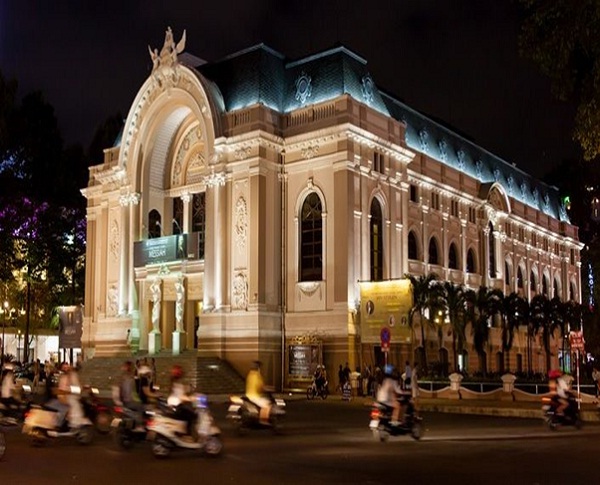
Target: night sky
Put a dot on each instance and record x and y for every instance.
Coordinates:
(456, 60)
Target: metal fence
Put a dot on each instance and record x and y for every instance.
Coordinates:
(529, 387)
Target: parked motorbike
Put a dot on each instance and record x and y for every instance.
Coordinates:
(317, 391)
(41, 424)
(98, 412)
(381, 421)
(126, 430)
(570, 417)
(244, 414)
(168, 433)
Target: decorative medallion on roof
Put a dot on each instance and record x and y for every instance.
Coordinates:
(562, 211)
(424, 139)
(303, 87)
(524, 191)
(460, 156)
(536, 195)
(165, 65)
(443, 144)
(367, 88)
(479, 169)
(497, 174)
(511, 184)
(546, 202)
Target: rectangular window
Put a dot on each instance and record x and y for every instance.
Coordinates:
(557, 249)
(472, 215)
(378, 162)
(521, 234)
(414, 194)
(507, 229)
(533, 239)
(435, 201)
(545, 244)
(572, 256)
(454, 208)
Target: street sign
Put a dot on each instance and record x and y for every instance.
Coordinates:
(386, 336)
(576, 340)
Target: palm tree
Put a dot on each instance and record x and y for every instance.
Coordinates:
(425, 302)
(540, 315)
(558, 319)
(512, 315)
(455, 301)
(487, 303)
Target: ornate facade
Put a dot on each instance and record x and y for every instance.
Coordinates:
(246, 198)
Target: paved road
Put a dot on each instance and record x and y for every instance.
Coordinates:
(329, 442)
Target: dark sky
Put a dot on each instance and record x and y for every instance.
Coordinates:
(456, 60)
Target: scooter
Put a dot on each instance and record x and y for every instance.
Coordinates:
(570, 417)
(14, 414)
(381, 421)
(167, 433)
(125, 427)
(41, 424)
(99, 413)
(244, 414)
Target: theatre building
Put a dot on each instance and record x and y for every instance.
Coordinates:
(250, 202)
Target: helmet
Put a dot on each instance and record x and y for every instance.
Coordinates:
(554, 374)
(388, 370)
(144, 370)
(176, 371)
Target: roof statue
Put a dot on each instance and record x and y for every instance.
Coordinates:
(164, 64)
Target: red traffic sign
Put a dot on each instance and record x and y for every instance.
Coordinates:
(576, 340)
(386, 336)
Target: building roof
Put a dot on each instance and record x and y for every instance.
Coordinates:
(261, 75)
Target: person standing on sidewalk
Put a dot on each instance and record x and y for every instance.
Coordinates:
(596, 378)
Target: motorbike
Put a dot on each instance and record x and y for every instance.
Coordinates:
(244, 414)
(99, 413)
(167, 432)
(570, 417)
(381, 421)
(317, 391)
(41, 423)
(13, 414)
(126, 430)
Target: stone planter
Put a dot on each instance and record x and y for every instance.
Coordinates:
(455, 380)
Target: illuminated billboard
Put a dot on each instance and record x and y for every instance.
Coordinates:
(385, 304)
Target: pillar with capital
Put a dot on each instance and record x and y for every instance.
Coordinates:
(155, 336)
(179, 335)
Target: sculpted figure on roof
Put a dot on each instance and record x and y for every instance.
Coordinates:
(164, 64)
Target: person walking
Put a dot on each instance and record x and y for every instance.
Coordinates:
(596, 378)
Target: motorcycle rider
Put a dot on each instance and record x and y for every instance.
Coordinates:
(179, 398)
(61, 402)
(319, 377)
(144, 385)
(255, 389)
(563, 391)
(388, 393)
(127, 394)
(8, 387)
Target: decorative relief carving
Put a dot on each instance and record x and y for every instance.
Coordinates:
(115, 242)
(443, 145)
(524, 191)
(368, 87)
(546, 202)
(479, 169)
(460, 156)
(243, 152)
(310, 151)
(496, 199)
(215, 179)
(424, 140)
(165, 65)
(241, 223)
(511, 184)
(240, 292)
(536, 195)
(309, 288)
(192, 141)
(112, 303)
(497, 174)
(303, 87)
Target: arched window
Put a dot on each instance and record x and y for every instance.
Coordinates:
(311, 239)
(154, 224)
(572, 292)
(506, 273)
(413, 248)
(532, 282)
(519, 278)
(545, 287)
(492, 251)
(471, 261)
(433, 252)
(177, 222)
(376, 226)
(452, 257)
(555, 289)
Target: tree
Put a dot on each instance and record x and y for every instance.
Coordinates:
(563, 38)
(487, 304)
(512, 313)
(425, 303)
(545, 323)
(455, 301)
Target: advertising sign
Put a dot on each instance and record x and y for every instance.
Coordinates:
(576, 340)
(303, 360)
(70, 327)
(385, 304)
(160, 250)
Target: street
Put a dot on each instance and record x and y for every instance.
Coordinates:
(327, 442)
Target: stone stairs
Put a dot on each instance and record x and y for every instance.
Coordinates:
(209, 375)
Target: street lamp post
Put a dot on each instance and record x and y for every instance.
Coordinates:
(19, 345)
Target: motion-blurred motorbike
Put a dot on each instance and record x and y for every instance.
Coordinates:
(99, 413)
(381, 421)
(14, 413)
(126, 428)
(314, 390)
(244, 414)
(570, 417)
(41, 424)
(168, 433)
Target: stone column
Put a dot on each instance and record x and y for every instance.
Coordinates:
(187, 220)
(155, 336)
(134, 235)
(124, 256)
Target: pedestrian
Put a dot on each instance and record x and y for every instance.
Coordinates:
(596, 377)
(407, 377)
(36, 373)
(347, 373)
(341, 379)
(414, 382)
(366, 380)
